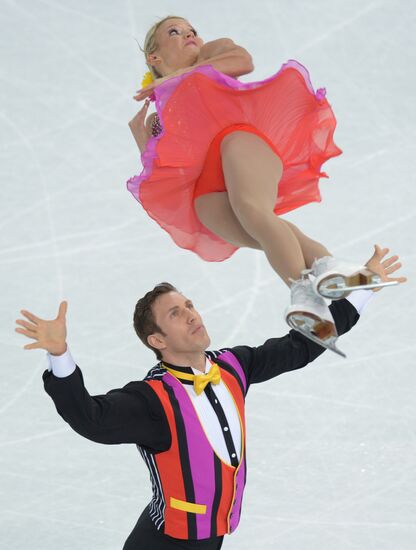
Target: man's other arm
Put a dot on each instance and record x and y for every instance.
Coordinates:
(132, 414)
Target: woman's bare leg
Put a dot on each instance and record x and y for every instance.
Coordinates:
(215, 212)
(252, 172)
(310, 249)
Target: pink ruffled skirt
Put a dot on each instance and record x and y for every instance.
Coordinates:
(196, 110)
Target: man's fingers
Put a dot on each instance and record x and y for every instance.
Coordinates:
(30, 316)
(63, 308)
(27, 333)
(399, 279)
(28, 326)
(393, 268)
(32, 346)
(380, 251)
(390, 261)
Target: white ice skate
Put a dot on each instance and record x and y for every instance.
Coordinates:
(309, 315)
(335, 279)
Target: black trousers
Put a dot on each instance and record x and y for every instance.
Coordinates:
(145, 536)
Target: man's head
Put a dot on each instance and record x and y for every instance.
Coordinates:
(167, 322)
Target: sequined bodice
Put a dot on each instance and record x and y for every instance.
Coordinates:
(156, 126)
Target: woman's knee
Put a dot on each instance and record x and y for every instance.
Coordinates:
(215, 213)
(253, 204)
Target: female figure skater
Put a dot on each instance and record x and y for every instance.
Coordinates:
(221, 159)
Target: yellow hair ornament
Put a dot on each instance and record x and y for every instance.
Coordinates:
(147, 79)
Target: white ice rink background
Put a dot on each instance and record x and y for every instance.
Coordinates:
(332, 447)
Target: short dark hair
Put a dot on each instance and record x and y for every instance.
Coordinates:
(144, 321)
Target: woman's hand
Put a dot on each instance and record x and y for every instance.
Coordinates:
(146, 92)
(138, 128)
(49, 335)
(384, 268)
(223, 54)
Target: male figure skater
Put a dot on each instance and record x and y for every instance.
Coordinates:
(187, 416)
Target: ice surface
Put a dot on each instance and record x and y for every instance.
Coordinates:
(331, 449)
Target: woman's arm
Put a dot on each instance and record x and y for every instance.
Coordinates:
(141, 129)
(226, 57)
(222, 54)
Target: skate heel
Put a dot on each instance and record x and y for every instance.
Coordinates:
(321, 331)
(336, 285)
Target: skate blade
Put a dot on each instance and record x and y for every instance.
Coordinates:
(304, 324)
(338, 286)
(349, 289)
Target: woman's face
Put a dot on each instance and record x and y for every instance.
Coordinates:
(178, 46)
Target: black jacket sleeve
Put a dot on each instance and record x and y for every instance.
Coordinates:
(132, 414)
(290, 352)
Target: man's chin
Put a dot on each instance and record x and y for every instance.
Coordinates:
(203, 342)
(205, 337)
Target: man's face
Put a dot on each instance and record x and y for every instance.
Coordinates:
(180, 322)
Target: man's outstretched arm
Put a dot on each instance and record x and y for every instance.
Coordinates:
(132, 414)
(294, 351)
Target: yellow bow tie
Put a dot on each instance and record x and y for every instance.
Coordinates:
(200, 380)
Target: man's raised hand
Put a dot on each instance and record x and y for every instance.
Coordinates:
(48, 335)
(384, 267)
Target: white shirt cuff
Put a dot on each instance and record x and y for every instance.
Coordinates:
(61, 365)
(360, 298)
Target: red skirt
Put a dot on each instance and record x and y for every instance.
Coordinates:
(211, 179)
(196, 111)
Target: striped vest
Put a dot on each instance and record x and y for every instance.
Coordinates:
(195, 494)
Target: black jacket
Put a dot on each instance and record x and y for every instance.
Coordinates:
(134, 414)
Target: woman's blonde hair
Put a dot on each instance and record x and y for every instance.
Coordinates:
(150, 44)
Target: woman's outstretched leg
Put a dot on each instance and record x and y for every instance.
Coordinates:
(215, 212)
(310, 249)
(252, 172)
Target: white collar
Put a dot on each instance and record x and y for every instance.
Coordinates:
(207, 367)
